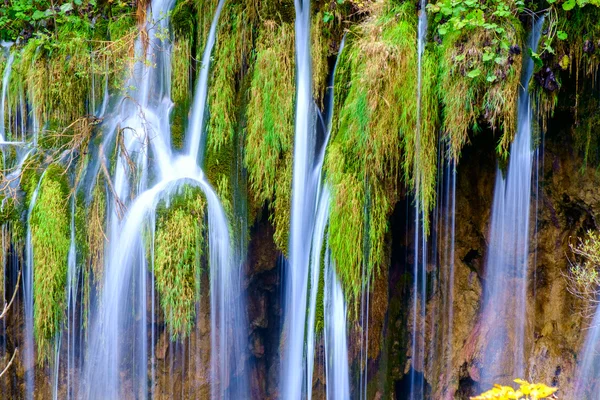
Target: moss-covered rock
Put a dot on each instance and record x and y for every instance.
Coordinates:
(177, 255)
(270, 129)
(50, 238)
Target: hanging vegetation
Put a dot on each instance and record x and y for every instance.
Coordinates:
(50, 237)
(178, 248)
(270, 124)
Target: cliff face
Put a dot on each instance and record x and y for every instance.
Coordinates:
(565, 208)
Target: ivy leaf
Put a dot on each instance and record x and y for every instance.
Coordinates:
(536, 58)
(78, 2)
(37, 15)
(562, 35)
(487, 56)
(327, 16)
(442, 29)
(474, 73)
(569, 5)
(66, 7)
(491, 78)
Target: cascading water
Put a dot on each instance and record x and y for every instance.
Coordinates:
(448, 208)
(336, 347)
(507, 266)
(419, 297)
(304, 187)
(309, 214)
(587, 385)
(5, 83)
(125, 272)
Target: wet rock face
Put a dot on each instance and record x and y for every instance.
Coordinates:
(568, 204)
(263, 282)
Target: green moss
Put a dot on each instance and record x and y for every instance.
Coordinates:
(225, 100)
(181, 89)
(490, 96)
(371, 136)
(177, 254)
(270, 130)
(95, 231)
(50, 236)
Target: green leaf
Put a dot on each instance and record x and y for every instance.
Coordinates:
(66, 7)
(491, 78)
(487, 56)
(37, 15)
(442, 29)
(474, 73)
(536, 58)
(569, 5)
(562, 35)
(459, 57)
(327, 16)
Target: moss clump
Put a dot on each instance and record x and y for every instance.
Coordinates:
(96, 238)
(479, 80)
(177, 254)
(225, 100)
(50, 237)
(181, 88)
(374, 121)
(270, 129)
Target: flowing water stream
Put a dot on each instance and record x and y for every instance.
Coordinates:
(507, 262)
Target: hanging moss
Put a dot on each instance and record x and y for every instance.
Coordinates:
(374, 121)
(181, 89)
(50, 237)
(479, 79)
(270, 129)
(96, 236)
(225, 99)
(177, 253)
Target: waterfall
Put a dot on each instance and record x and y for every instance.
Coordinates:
(586, 379)
(142, 114)
(5, 83)
(302, 214)
(309, 214)
(419, 289)
(449, 228)
(507, 266)
(194, 141)
(336, 347)
(125, 271)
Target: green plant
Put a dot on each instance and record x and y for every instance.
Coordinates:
(177, 255)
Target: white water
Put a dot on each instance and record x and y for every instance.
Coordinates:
(5, 83)
(125, 281)
(420, 241)
(304, 187)
(507, 263)
(588, 371)
(336, 346)
(194, 140)
(449, 228)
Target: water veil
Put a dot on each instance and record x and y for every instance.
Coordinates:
(120, 341)
(507, 262)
